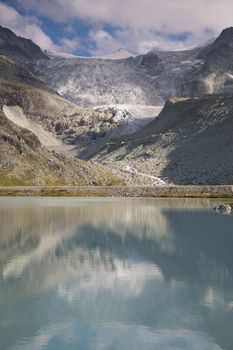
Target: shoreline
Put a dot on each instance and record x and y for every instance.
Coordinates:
(179, 191)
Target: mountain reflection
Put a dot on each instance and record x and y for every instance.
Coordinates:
(163, 264)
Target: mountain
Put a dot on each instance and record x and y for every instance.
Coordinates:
(148, 79)
(189, 143)
(126, 78)
(41, 105)
(145, 79)
(23, 161)
(33, 117)
(70, 123)
(19, 49)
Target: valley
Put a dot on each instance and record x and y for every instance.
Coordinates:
(163, 118)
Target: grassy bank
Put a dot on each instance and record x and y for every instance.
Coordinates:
(120, 191)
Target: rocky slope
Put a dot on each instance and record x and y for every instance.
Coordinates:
(24, 162)
(16, 115)
(21, 50)
(68, 122)
(189, 143)
(10, 70)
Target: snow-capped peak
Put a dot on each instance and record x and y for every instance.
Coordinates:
(120, 54)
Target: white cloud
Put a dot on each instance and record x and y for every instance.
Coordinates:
(140, 41)
(171, 16)
(29, 27)
(101, 42)
(141, 24)
(69, 45)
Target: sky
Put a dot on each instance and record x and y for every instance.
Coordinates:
(100, 27)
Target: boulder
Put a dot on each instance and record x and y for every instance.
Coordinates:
(223, 209)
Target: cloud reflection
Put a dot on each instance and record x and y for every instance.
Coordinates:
(117, 336)
(126, 279)
(151, 269)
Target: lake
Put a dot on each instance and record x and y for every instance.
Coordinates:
(118, 274)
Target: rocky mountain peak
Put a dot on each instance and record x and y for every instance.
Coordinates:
(223, 42)
(226, 35)
(19, 49)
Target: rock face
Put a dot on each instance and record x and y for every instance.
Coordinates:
(223, 209)
(189, 143)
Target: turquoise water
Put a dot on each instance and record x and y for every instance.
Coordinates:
(115, 274)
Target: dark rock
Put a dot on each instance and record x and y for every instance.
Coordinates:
(223, 209)
(19, 49)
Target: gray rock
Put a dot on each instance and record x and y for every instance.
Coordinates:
(223, 209)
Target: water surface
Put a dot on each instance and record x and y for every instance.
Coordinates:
(115, 274)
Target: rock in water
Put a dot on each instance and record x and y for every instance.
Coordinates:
(223, 209)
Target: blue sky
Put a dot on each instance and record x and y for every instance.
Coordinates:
(87, 27)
